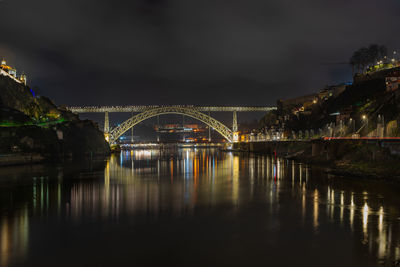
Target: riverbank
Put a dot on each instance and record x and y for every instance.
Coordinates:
(32, 144)
(356, 158)
(20, 159)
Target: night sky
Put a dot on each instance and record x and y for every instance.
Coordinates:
(248, 52)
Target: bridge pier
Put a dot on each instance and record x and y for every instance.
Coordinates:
(235, 133)
(132, 130)
(234, 124)
(209, 129)
(106, 126)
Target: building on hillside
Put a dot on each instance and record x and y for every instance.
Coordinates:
(344, 114)
(392, 83)
(304, 104)
(332, 91)
(23, 78)
(391, 72)
(392, 80)
(11, 72)
(289, 105)
(8, 69)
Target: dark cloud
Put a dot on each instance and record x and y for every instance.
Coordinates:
(189, 52)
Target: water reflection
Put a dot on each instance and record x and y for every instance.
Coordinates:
(14, 233)
(316, 207)
(352, 208)
(179, 183)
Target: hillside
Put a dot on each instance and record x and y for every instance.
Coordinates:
(34, 124)
(358, 109)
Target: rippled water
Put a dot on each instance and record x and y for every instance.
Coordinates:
(194, 208)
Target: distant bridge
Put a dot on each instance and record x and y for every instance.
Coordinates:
(146, 112)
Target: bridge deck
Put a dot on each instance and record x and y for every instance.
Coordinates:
(141, 108)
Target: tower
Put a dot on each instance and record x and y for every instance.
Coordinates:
(23, 78)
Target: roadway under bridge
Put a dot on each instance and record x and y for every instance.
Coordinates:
(144, 112)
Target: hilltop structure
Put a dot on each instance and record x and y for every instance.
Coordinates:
(9, 71)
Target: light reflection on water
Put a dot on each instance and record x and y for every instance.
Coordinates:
(179, 183)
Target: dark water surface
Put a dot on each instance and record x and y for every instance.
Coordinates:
(194, 208)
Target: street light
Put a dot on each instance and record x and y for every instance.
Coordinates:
(365, 118)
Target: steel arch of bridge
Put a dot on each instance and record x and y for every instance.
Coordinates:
(211, 122)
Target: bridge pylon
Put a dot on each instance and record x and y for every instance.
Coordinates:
(235, 132)
(106, 126)
(235, 124)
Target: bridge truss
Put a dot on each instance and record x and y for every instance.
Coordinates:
(142, 108)
(149, 111)
(211, 122)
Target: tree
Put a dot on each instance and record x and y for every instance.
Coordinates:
(366, 56)
(373, 53)
(355, 61)
(269, 119)
(382, 51)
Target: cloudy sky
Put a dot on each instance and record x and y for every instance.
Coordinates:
(226, 52)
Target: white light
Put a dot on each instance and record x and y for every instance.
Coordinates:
(365, 216)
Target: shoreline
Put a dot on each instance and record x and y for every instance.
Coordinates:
(27, 159)
(346, 159)
(15, 159)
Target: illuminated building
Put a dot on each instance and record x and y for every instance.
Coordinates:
(392, 83)
(23, 78)
(9, 71)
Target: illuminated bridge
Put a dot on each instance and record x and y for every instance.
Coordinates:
(201, 113)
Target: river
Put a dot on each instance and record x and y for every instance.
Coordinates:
(194, 207)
